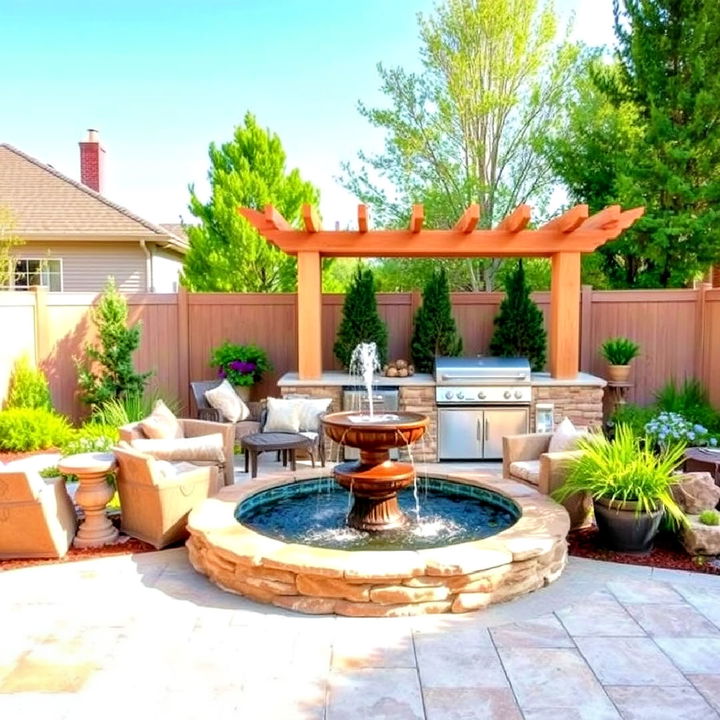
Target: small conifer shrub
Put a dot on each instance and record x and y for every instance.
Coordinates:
(28, 387)
(435, 333)
(519, 329)
(360, 322)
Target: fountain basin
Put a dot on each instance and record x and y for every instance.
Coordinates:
(453, 578)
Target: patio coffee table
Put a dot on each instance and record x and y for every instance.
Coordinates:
(703, 460)
(285, 442)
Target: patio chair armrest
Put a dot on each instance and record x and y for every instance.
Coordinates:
(195, 428)
(554, 469)
(528, 446)
(210, 414)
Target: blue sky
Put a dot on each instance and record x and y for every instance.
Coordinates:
(161, 79)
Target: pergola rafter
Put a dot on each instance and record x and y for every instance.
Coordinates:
(562, 239)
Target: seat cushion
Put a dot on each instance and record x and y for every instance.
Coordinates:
(161, 424)
(282, 415)
(207, 448)
(528, 470)
(228, 402)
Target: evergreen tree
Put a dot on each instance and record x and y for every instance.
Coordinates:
(519, 329)
(435, 333)
(361, 322)
(226, 253)
(112, 359)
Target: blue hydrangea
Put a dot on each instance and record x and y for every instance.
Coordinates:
(672, 426)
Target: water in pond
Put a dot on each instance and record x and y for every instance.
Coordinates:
(314, 512)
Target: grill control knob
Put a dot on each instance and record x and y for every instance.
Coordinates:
(448, 394)
(518, 394)
(507, 394)
(460, 395)
(481, 395)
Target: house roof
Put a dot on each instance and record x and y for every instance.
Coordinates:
(46, 202)
(176, 229)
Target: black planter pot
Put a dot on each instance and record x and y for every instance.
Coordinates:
(622, 529)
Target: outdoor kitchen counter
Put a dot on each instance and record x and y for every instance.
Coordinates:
(582, 380)
(337, 378)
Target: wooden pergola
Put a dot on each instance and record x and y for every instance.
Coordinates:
(562, 240)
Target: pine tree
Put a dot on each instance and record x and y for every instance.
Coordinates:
(361, 322)
(435, 333)
(116, 377)
(519, 329)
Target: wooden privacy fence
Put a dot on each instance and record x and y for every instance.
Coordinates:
(678, 332)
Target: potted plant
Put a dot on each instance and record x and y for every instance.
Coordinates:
(630, 486)
(619, 352)
(241, 365)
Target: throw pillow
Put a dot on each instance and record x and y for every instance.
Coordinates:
(161, 423)
(227, 401)
(310, 412)
(565, 437)
(204, 448)
(282, 415)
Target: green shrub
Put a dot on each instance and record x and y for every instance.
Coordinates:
(690, 400)
(91, 437)
(710, 517)
(240, 364)
(619, 350)
(635, 417)
(28, 387)
(49, 472)
(29, 429)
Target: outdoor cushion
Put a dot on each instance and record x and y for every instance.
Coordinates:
(228, 402)
(565, 437)
(528, 470)
(204, 448)
(161, 423)
(282, 415)
(310, 412)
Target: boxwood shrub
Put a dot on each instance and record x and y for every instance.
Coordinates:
(29, 429)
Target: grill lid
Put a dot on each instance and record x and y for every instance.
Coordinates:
(482, 371)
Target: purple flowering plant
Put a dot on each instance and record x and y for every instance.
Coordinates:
(240, 364)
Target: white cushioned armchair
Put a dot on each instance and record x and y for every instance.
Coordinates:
(526, 458)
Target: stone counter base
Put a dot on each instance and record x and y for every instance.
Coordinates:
(457, 578)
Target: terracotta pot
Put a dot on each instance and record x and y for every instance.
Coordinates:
(618, 373)
(623, 529)
(243, 392)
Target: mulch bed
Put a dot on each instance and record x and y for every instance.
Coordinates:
(667, 553)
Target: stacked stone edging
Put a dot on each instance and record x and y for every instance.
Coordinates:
(456, 578)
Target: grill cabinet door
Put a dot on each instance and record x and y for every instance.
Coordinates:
(460, 433)
(501, 421)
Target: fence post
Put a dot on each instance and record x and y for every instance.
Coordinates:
(42, 325)
(701, 340)
(183, 348)
(586, 336)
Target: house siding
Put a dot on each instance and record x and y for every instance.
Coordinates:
(87, 264)
(166, 271)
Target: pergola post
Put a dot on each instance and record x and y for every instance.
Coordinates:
(309, 314)
(565, 315)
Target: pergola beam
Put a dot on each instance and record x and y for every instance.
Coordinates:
(516, 221)
(417, 218)
(567, 222)
(469, 219)
(276, 221)
(311, 218)
(362, 218)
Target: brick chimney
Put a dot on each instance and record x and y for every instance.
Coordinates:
(91, 161)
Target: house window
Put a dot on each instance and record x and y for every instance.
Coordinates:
(45, 272)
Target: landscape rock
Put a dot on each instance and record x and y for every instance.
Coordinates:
(699, 539)
(695, 492)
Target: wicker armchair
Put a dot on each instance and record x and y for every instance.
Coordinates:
(205, 412)
(526, 458)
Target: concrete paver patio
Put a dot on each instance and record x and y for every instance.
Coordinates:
(146, 636)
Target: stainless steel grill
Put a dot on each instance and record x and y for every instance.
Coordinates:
(480, 400)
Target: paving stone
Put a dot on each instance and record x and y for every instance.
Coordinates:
(635, 591)
(709, 687)
(692, 655)
(545, 631)
(672, 620)
(604, 618)
(372, 643)
(557, 681)
(470, 704)
(374, 694)
(660, 703)
(705, 600)
(629, 661)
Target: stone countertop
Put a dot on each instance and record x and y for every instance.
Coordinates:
(336, 377)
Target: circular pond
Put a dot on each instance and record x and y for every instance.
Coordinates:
(441, 512)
